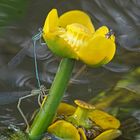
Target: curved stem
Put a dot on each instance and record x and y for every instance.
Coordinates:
(57, 90)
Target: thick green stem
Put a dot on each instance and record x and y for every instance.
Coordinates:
(57, 90)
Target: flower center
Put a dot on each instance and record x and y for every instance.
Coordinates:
(76, 35)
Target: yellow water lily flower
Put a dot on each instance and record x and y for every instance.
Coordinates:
(81, 115)
(84, 122)
(72, 35)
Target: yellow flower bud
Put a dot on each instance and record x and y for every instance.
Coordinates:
(72, 35)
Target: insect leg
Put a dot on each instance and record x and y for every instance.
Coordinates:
(33, 93)
(43, 94)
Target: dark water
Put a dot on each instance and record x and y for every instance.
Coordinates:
(17, 74)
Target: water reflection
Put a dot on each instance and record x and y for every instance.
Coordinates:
(11, 96)
(117, 67)
(16, 77)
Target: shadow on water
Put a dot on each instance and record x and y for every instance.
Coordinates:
(17, 72)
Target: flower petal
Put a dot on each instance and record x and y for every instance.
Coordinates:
(104, 120)
(65, 109)
(76, 16)
(109, 135)
(98, 50)
(102, 31)
(64, 130)
(82, 134)
(60, 47)
(51, 22)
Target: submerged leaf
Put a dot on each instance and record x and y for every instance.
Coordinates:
(131, 82)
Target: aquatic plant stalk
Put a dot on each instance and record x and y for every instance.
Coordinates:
(49, 108)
